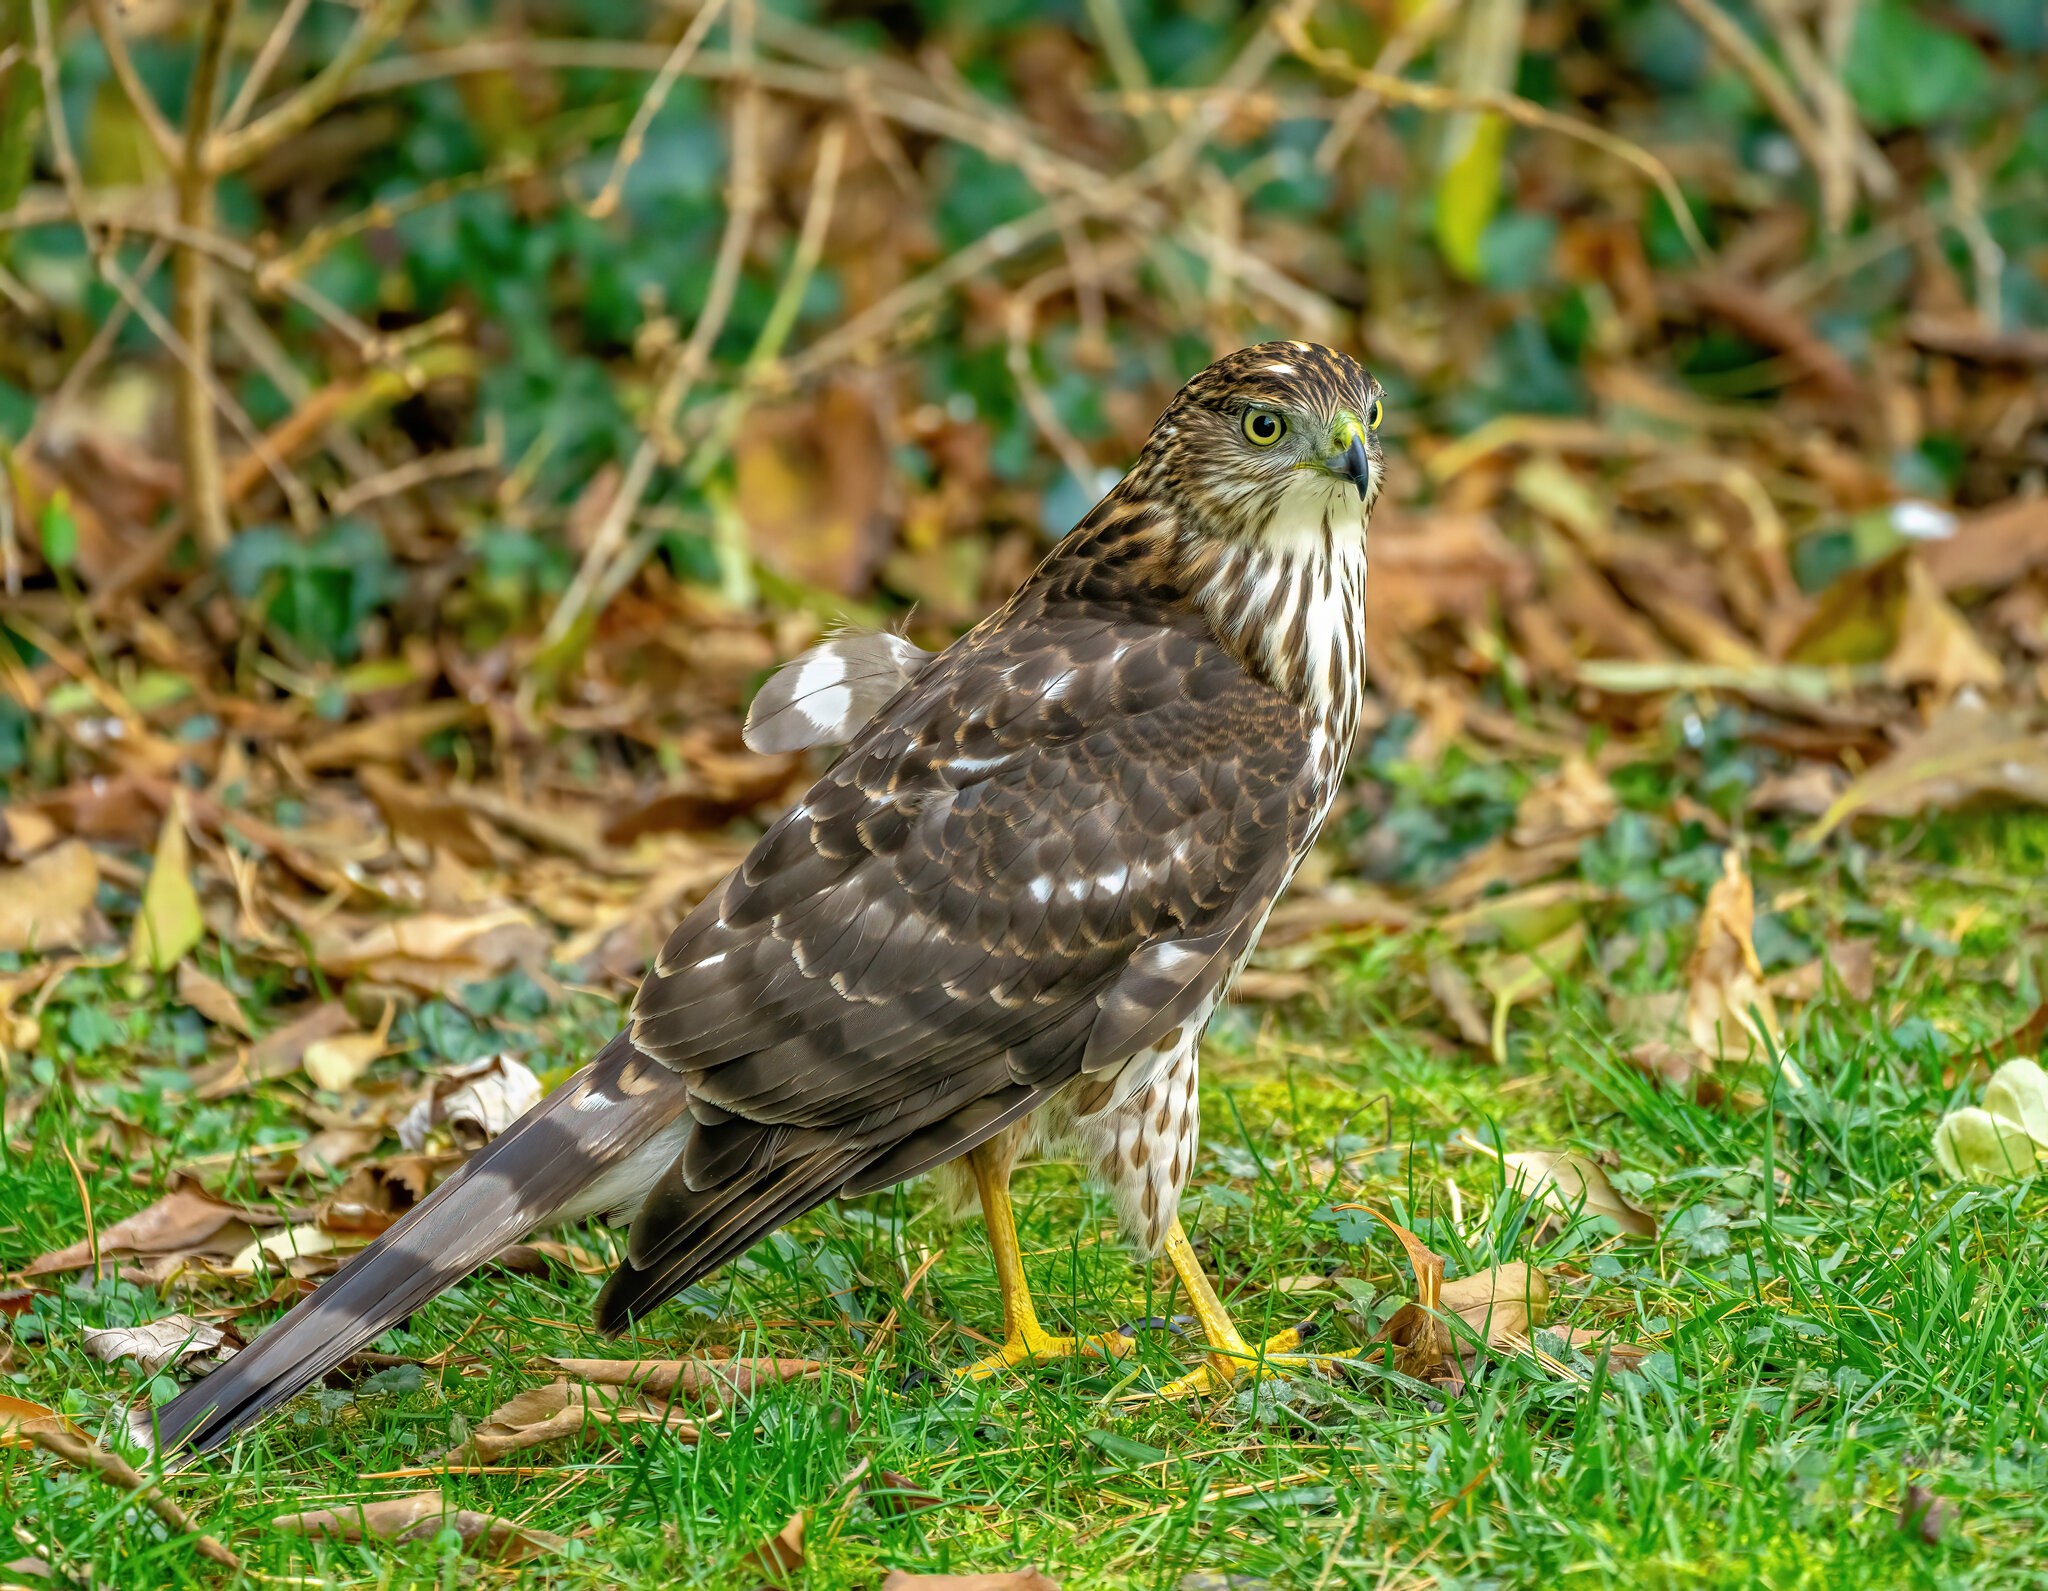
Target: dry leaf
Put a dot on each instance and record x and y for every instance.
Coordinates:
(274, 1055)
(1991, 549)
(277, 1250)
(1936, 646)
(1527, 975)
(1006, 1580)
(1570, 804)
(212, 999)
(1728, 1005)
(690, 1378)
(335, 1063)
(433, 951)
(376, 1196)
(155, 1345)
(387, 737)
(1500, 1303)
(1460, 1002)
(187, 1220)
(563, 1411)
(421, 1516)
(47, 902)
(475, 1103)
(23, 832)
(1625, 1358)
(1966, 754)
(779, 1558)
(1571, 1183)
(169, 924)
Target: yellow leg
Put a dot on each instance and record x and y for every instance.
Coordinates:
(1230, 1356)
(1024, 1340)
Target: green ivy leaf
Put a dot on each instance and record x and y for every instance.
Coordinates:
(1903, 71)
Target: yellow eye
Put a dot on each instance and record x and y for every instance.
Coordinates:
(1379, 413)
(1262, 427)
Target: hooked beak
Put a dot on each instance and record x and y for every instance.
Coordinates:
(1353, 464)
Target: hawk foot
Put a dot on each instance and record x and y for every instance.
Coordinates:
(1234, 1365)
(1033, 1346)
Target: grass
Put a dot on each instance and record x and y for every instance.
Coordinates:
(1841, 1342)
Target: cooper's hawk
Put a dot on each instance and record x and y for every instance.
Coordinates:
(1007, 911)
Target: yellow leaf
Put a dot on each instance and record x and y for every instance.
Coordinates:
(46, 903)
(1467, 193)
(169, 924)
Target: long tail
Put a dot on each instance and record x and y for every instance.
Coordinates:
(596, 1143)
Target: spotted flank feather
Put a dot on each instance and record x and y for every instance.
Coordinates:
(1007, 911)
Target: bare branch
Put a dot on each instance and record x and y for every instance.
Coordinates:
(192, 294)
(650, 107)
(147, 111)
(231, 151)
(265, 63)
(1434, 97)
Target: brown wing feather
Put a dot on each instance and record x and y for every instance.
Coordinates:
(921, 948)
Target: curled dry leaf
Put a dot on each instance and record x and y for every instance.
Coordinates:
(164, 1343)
(186, 1221)
(1570, 804)
(169, 925)
(690, 1378)
(335, 1063)
(375, 1196)
(1567, 1182)
(420, 1516)
(274, 1055)
(473, 1103)
(1729, 1010)
(1460, 1002)
(1968, 753)
(1936, 646)
(433, 951)
(47, 902)
(308, 1240)
(23, 832)
(563, 1411)
(1005, 1580)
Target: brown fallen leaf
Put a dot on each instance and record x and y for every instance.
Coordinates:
(169, 924)
(472, 1103)
(432, 951)
(187, 1220)
(563, 1411)
(24, 831)
(1565, 1180)
(1936, 646)
(374, 1197)
(387, 737)
(1625, 1358)
(47, 902)
(1571, 803)
(1991, 549)
(336, 1062)
(421, 1516)
(212, 999)
(164, 1343)
(1966, 754)
(690, 1378)
(1005, 1580)
(1729, 1011)
(779, 1559)
(274, 1055)
(1460, 1002)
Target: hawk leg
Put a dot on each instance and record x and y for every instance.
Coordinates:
(1024, 1340)
(1231, 1358)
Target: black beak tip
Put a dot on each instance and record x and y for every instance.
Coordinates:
(1357, 466)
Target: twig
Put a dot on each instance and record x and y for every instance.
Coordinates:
(1837, 193)
(743, 204)
(115, 43)
(83, 1453)
(192, 294)
(88, 211)
(96, 351)
(1526, 113)
(1021, 314)
(231, 151)
(651, 102)
(280, 37)
(417, 472)
(1415, 34)
(1853, 151)
(1987, 257)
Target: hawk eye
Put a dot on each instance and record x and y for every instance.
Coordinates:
(1379, 413)
(1262, 427)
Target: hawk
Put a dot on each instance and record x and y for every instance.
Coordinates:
(1003, 916)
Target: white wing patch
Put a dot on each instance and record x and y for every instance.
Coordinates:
(825, 696)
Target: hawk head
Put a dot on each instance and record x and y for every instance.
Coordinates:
(1272, 441)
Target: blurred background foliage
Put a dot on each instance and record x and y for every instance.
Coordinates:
(559, 367)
